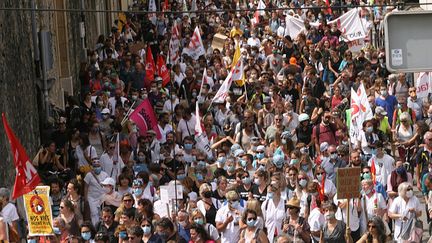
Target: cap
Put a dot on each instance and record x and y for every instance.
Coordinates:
(380, 110)
(261, 148)
(293, 61)
(324, 146)
(293, 202)
(109, 181)
(105, 111)
(239, 152)
(138, 182)
(4, 192)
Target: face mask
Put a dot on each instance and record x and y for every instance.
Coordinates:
(304, 150)
(319, 177)
(97, 170)
(202, 164)
(367, 192)
(86, 235)
(181, 177)
(141, 158)
(199, 177)
(270, 195)
(231, 168)
(134, 97)
(369, 129)
(137, 191)
(183, 224)
(173, 97)
(188, 146)
(199, 221)
(294, 161)
(260, 156)
(221, 160)
(163, 236)
(207, 194)
(257, 181)
(303, 183)
(234, 204)
(284, 141)
(193, 158)
(410, 193)
(329, 215)
(333, 156)
(243, 162)
(146, 230)
(261, 167)
(374, 151)
(31, 240)
(430, 170)
(305, 167)
(246, 180)
(400, 170)
(194, 94)
(251, 223)
(384, 92)
(56, 230)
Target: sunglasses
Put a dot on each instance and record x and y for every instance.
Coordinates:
(320, 173)
(333, 152)
(250, 219)
(127, 200)
(131, 238)
(146, 225)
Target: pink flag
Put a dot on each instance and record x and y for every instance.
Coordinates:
(145, 119)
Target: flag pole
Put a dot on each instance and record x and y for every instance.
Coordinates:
(127, 114)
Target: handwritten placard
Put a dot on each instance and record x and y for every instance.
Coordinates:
(348, 183)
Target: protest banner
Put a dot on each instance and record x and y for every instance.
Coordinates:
(38, 211)
(348, 183)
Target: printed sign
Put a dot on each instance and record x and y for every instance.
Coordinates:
(396, 57)
(348, 183)
(38, 211)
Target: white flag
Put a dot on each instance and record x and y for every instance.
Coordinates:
(360, 111)
(118, 163)
(196, 47)
(174, 45)
(350, 25)
(202, 142)
(152, 8)
(423, 85)
(222, 93)
(261, 5)
(293, 26)
(238, 71)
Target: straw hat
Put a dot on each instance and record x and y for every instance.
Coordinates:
(293, 202)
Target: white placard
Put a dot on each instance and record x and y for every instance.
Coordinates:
(396, 57)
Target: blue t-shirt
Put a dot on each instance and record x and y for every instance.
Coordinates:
(388, 104)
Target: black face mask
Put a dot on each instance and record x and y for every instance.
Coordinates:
(207, 194)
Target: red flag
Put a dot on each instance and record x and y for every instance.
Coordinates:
(329, 10)
(163, 71)
(27, 177)
(145, 119)
(150, 68)
(373, 171)
(322, 186)
(165, 7)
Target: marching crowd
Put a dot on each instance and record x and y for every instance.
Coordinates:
(275, 141)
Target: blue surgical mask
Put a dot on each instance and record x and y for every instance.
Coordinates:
(369, 129)
(199, 221)
(260, 156)
(56, 230)
(86, 235)
(294, 161)
(202, 163)
(123, 234)
(188, 146)
(251, 223)
(246, 180)
(146, 230)
(97, 170)
(32, 241)
(199, 177)
(305, 167)
(373, 151)
(181, 177)
(231, 168)
(221, 159)
(243, 163)
(137, 191)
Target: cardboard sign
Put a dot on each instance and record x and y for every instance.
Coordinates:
(135, 48)
(348, 183)
(218, 41)
(38, 211)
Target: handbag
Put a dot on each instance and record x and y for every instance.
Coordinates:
(416, 231)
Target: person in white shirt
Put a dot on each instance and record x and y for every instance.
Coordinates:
(354, 210)
(372, 202)
(186, 126)
(112, 102)
(405, 206)
(228, 218)
(254, 40)
(111, 197)
(111, 167)
(273, 209)
(93, 190)
(141, 188)
(384, 163)
(316, 220)
(9, 211)
(164, 126)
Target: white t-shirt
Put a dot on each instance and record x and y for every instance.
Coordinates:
(9, 213)
(370, 206)
(384, 167)
(341, 214)
(273, 216)
(169, 106)
(187, 128)
(316, 220)
(95, 189)
(232, 231)
(400, 206)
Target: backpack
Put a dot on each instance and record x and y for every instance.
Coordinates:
(318, 132)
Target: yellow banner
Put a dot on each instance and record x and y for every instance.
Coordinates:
(38, 211)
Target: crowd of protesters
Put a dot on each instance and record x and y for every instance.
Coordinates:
(276, 141)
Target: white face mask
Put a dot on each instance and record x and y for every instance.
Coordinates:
(409, 193)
